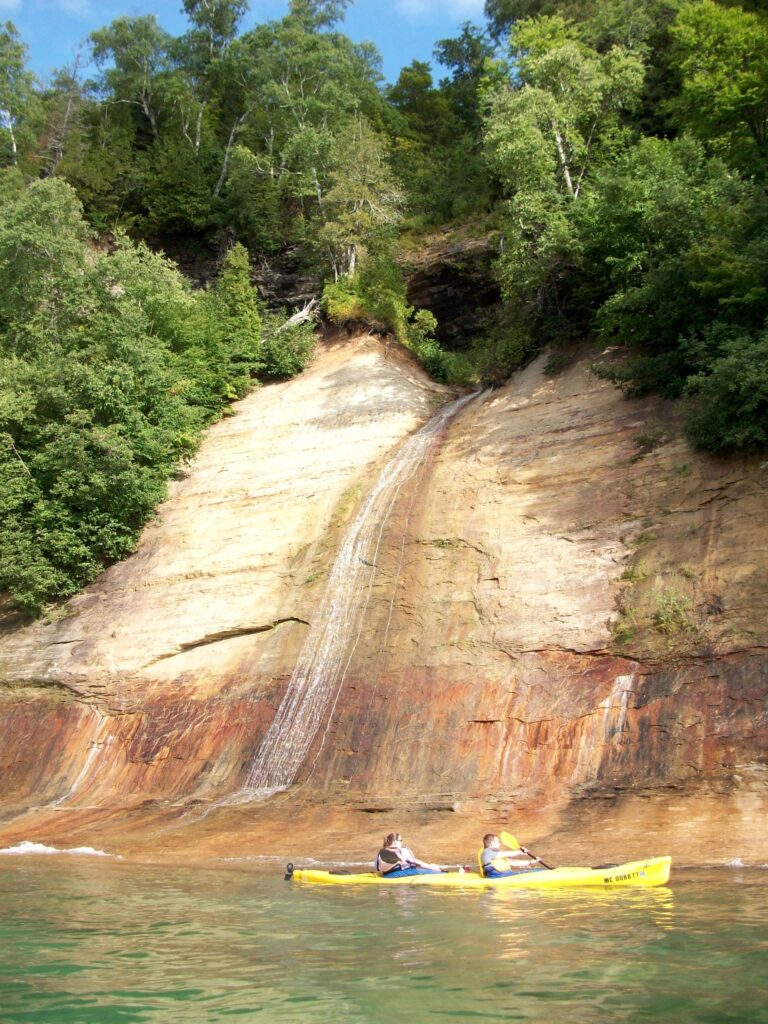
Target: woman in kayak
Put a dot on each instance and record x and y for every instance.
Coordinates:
(498, 863)
(396, 861)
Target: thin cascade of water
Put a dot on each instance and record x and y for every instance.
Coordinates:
(101, 741)
(316, 682)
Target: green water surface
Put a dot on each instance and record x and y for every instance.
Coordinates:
(86, 942)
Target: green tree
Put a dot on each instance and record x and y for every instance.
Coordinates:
(42, 265)
(16, 92)
(466, 57)
(215, 26)
(730, 397)
(723, 60)
(136, 52)
(363, 202)
(90, 423)
(426, 108)
(291, 90)
(649, 213)
(433, 152)
(546, 133)
(570, 99)
(251, 202)
(109, 368)
(310, 84)
(63, 107)
(314, 15)
(202, 68)
(685, 243)
(239, 305)
(102, 168)
(601, 23)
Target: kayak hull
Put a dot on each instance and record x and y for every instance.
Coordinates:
(654, 871)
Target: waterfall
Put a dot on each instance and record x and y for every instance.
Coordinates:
(317, 679)
(101, 741)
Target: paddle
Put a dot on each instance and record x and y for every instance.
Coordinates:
(509, 840)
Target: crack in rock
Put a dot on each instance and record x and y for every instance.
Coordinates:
(225, 634)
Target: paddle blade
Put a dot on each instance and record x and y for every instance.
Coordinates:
(510, 841)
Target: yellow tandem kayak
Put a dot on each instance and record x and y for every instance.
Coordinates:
(654, 871)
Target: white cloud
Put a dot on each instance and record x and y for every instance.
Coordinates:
(9, 5)
(74, 6)
(416, 10)
(79, 7)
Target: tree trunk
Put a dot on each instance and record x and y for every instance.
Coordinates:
(300, 316)
(564, 163)
(199, 128)
(228, 154)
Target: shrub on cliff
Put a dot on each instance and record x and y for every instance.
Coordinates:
(376, 295)
(730, 398)
(109, 368)
(448, 367)
(286, 348)
(224, 334)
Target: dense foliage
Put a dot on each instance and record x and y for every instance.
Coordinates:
(617, 147)
(109, 368)
(635, 202)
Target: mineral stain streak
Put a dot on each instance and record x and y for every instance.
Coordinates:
(559, 634)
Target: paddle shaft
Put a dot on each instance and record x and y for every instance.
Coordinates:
(547, 866)
(513, 844)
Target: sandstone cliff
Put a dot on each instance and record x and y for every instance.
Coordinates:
(567, 631)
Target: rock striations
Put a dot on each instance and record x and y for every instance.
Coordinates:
(566, 628)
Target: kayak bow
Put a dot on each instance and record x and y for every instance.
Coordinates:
(654, 871)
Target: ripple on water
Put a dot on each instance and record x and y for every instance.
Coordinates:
(100, 942)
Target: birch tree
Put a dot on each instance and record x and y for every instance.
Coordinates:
(547, 129)
(16, 90)
(63, 106)
(363, 201)
(133, 53)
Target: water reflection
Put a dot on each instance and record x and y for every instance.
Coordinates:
(93, 944)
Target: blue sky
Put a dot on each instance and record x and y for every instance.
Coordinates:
(403, 30)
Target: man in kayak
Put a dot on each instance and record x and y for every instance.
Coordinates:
(396, 861)
(498, 863)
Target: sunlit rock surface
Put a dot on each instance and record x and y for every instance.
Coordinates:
(158, 680)
(566, 635)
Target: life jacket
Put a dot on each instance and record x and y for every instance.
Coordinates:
(389, 860)
(505, 865)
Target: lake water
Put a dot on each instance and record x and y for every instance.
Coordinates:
(88, 941)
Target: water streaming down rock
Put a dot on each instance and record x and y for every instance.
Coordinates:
(100, 743)
(316, 682)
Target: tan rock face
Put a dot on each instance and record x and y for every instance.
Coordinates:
(574, 614)
(159, 679)
(568, 604)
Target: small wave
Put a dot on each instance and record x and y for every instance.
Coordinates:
(25, 847)
(737, 862)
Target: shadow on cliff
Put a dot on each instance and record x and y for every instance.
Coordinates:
(567, 443)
